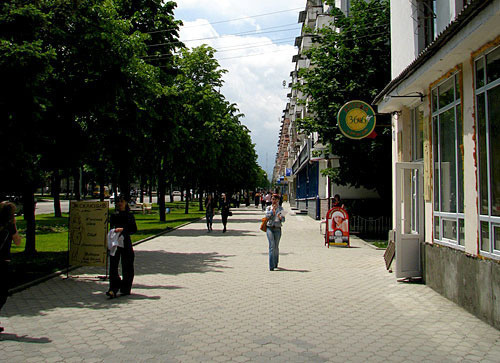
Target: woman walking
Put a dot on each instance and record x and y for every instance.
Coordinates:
(8, 233)
(224, 211)
(275, 217)
(209, 211)
(123, 222)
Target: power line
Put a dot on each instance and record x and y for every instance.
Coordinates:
(164, 56)
(248, 32)
(226, 21)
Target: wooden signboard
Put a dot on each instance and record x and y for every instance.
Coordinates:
(88, 228)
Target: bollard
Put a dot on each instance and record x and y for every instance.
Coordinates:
(317, 208)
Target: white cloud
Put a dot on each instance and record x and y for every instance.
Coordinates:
(256, 65)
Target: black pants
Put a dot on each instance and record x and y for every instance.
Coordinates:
(224, 220)
(4, 282)
(115, 282)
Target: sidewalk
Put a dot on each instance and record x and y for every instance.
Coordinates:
(210, 297)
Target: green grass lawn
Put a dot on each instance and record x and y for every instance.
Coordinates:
(52, 239)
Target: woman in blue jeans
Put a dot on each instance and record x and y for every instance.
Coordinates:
(275, 217)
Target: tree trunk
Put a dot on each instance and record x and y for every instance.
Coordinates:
(151, 183)
(143, 182)
(200, 200)
(76, 184)
(161, 194)
(29, 217)
(56, 189)
(171, 193)
(102, 185)
(188, 195)
(67, 186)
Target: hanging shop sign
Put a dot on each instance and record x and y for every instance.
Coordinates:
(356, 119)
(88, 228)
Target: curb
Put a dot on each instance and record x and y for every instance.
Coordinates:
(72, 268)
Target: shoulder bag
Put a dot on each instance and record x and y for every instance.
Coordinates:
(263, 225)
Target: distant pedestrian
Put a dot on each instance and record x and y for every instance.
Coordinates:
(268, 198)
(257, 199)
(263, 200)
(224, 210)
(209, 211)
(275, 217)
(123, 222)
(8, 234)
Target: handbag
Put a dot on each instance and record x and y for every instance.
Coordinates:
(263, 225)
(230, 214)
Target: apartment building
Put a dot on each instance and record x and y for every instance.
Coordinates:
(306, 157)
(444, 99)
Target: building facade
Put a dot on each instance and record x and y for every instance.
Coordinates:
(306, 157)
(444, 98)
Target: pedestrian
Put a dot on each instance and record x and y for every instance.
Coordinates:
(263, 201)
(337, 202)
(257, 199)
(123, 222)
(8, 234)
(268, 198)
(209, 211)
(224, 210)
(275, 217)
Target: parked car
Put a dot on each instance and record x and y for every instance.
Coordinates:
(176, 193)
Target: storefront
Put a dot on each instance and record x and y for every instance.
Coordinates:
(445, 108)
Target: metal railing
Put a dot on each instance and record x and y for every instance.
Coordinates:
(376, 226)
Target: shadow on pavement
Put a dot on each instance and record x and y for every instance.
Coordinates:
(89, 292)
(175, 263)
(24, 338)
(217, 232)
(290, 270)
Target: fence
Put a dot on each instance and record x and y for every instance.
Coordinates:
(378, 226)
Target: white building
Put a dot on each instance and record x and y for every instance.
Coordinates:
(444, 98)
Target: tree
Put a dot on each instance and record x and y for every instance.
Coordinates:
(25, 68)
(353, 64)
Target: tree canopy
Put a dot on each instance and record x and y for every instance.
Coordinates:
(105, 89)
(350, 60)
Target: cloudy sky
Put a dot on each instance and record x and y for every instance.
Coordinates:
(255, 43)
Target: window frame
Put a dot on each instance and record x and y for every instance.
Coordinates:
(457, 217)
(491, 220)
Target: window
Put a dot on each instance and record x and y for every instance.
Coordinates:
(417, 139)
(487, 71)
(426, 18)
(447, 129)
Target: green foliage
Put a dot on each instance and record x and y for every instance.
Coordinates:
(96, 86)
(351, 64)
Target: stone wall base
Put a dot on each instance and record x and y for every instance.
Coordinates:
(468, 281)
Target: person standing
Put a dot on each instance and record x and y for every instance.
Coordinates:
(257, 199)
(337, 202)
(209, 211)
(123, 222)
(275, 217)
(224, 210)
(8, 234)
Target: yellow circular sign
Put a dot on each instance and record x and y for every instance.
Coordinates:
(356, 119)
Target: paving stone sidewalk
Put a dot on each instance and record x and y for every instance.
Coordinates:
(210, 297)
